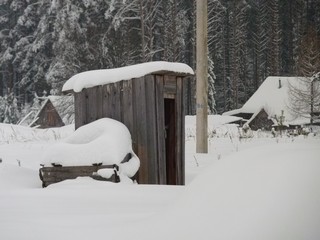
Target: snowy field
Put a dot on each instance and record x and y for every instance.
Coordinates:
(255, 188)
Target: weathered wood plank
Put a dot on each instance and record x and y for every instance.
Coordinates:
(92, 104)
(140, 123)
(51, 175)
(134, 132)
(151, 129)
(106, 104)
(161, 158)
(183, 140)
(116, 93)
(126, 105)
(78, 108)
(170, 85)
(179, 133)
(85, 106)
(99, 102)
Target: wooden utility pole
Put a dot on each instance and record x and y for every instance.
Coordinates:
(202, 77)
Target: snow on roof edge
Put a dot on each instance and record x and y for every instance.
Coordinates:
(104, 76)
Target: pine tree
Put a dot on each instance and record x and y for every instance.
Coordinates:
(11, 111)
(238, 36)
(217, 79)
(211, 87)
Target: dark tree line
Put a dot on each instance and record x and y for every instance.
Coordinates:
(44, 42)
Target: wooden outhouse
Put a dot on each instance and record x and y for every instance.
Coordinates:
(148, 99)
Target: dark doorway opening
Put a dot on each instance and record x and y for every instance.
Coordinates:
(170, 125)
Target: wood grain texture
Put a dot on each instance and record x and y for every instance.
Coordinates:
(151, 127)
(140, 121)
(51, 175)
(161, 145)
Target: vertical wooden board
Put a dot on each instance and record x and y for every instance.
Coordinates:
(170, 85)
(126, 105)
(179, 134)
(85, 105)
(116, 93)
(139, 109)
(92, 104)
(106, 104)
(77, 110)
(151, 129)
(134, 132)
(183, 130)
(92, 101)
(161, 158)
(110, 103)
(99, 102)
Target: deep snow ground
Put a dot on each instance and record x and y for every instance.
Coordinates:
(259, 188)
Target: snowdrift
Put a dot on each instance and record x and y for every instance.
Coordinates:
(260, 193)
(105, 141)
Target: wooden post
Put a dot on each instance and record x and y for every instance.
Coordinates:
(202, 77)
(311, 102)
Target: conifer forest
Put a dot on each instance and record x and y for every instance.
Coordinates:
(45, 42)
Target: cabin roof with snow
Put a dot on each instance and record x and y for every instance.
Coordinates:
(272, 97)
(105, 76)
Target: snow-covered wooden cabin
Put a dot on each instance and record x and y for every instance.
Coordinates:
(272, 99)
(148, 99)
(55, 111)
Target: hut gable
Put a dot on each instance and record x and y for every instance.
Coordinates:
(148, 99)
(56, 111)
(260, 120)
(270, 99)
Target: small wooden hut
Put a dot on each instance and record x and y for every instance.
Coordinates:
(56, 111)
(148, 98)
(260, 120)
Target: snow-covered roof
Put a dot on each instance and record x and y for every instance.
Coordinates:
(213, 120)
(104, 141)
(104, 76)
(273, 99)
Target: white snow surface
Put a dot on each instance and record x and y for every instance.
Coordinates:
(218, 125)
(259, 188)
(10, 133)
(105, 141)
(104, 76)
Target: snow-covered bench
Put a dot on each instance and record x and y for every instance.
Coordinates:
(101, 150)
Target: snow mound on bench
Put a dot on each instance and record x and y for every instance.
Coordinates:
(105, 141)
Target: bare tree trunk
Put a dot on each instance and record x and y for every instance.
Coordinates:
(143, 53)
